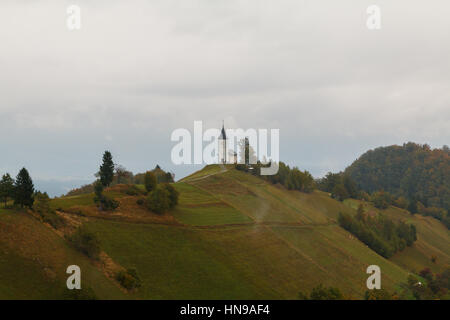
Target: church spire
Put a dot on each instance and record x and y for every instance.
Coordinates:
(223, 135)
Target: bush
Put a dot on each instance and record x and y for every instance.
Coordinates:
(377, 294)
(81, 294)
(322, 293)
(128, 279)
(401, 202)
(150, 181)
(173, 195)
(104, 203)
(42, 207)
(133, 190)
(85, 242)
(158, 200)
(53, 219)
(108, 204)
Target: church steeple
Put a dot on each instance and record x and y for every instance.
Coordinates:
(223, 135)
(223, 145)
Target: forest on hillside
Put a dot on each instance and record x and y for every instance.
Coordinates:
(414, 171)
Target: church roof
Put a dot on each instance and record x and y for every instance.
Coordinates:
(223, 135)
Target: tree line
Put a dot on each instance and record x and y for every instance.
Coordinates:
(378, 232)
(341, 186)
(20, 190)
(290, 178)
(160, 194)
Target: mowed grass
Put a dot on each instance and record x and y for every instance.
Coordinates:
(342, 257)
(246, 262)
(37, 259)
(433, 240)
(197, 207)
(71, 201)
(87, 199)
(264, 202)
(173, 262)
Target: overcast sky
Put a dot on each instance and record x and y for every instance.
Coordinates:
(137, 70)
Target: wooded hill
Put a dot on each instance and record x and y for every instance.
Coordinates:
(413, 171)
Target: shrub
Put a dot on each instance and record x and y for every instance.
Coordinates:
(104, 203)
(85, 242)
(53, 219)
(158, 200)
(377, 294)
(150, 181)
(128, 279)
(41, 202)
(81, 294)
(173, 195)
(426, 273)
(133, 190)
(108, 204)
(322, 293)
(42, 207)
(401, 202)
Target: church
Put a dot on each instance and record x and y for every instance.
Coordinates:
(225, 155)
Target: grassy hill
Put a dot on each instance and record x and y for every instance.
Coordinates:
(232, 236)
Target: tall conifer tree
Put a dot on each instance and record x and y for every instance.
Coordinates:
(24, 189)
(6, 188)
(106, 172)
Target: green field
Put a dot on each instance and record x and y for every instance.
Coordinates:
(232, 236)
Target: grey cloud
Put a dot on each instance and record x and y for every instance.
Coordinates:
(138, 70)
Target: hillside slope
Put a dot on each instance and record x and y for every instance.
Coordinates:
(232, 236)
(34, 259)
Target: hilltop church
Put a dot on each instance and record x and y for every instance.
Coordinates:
(225, 155)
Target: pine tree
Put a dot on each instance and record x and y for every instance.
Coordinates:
(24, 189)
(106, 172)
(6, 188)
